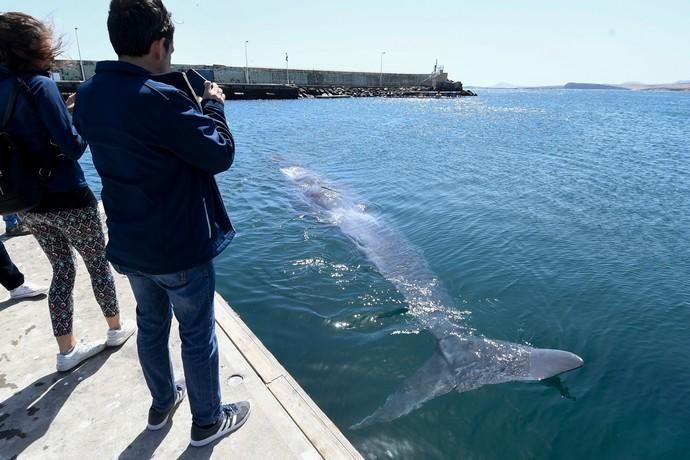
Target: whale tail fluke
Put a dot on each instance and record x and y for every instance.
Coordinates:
(434, 378)
(463, 364)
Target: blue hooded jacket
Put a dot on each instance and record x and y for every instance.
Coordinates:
(156, 153)
(39, 118)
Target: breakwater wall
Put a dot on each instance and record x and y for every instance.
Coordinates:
(267, 83)
(70, 70)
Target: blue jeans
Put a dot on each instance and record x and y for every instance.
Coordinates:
(11, 221)
(189, 295)
(10, 276)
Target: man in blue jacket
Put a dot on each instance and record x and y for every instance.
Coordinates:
(157, 151)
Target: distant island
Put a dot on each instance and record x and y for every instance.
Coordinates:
(572, 85)
(682, 85)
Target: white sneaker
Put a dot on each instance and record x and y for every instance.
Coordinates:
(27, 290)
(81, 351)
(117, 337)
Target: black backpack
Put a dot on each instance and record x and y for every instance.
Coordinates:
(22, 181)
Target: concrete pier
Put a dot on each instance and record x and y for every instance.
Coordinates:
(99, 410)
(233, 92)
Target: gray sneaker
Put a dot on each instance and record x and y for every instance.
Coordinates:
(232, 417)
(157, 420)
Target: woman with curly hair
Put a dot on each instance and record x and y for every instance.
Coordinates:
(67, 217)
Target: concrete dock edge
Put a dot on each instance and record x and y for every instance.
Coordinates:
(99, 409)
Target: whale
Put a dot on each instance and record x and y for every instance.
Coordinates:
(461, 361)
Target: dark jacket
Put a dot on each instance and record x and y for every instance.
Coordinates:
(156, 153)
(35, 123)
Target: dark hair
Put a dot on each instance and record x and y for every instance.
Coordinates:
(27, 44)
(134, 24)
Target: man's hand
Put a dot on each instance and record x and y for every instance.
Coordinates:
(213, 91)
(70, 101)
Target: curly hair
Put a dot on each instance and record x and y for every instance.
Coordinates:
(26, 43)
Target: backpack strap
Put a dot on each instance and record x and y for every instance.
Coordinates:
(10, 105)
(44, 169)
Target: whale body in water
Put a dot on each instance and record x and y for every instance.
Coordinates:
(461, 361)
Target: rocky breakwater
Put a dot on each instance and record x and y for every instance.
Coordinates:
(334, 92)
(437, 88)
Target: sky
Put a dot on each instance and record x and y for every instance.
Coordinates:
(480, 42)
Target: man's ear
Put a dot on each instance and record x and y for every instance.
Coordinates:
(157, 49)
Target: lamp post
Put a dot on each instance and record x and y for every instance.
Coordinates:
(381, 70)
(246, 63)
(81, 64)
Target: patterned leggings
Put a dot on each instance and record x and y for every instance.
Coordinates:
(57, 232)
